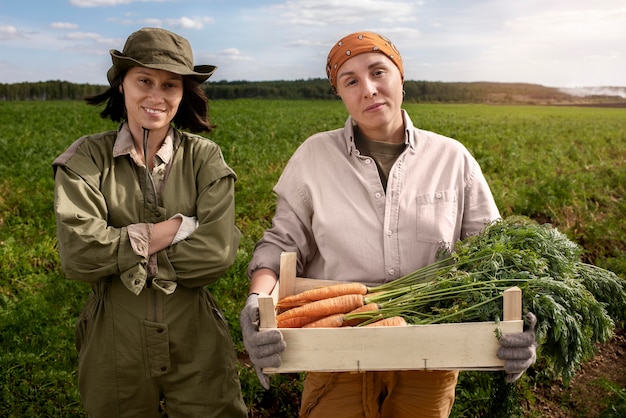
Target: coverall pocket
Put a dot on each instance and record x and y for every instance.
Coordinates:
(156, 348)
(220, 321)
(83, 323)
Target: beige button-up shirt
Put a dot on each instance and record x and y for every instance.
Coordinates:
(333, 211)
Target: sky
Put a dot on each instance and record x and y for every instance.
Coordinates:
(555, 43)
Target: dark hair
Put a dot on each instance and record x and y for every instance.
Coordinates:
(192, 114)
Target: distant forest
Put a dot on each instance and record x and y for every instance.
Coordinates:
(319, 89)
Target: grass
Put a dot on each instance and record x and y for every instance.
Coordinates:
(564, 165)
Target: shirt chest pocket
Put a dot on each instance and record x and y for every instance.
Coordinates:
(436, 216)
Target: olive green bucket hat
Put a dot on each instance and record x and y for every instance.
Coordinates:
(158, 49)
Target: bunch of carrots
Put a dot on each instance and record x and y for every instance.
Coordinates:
(576, 304)
(332, 307)
(355, 304)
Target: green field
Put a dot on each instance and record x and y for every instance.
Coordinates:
(562, 165)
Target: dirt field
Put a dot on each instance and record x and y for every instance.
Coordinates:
(584, 396)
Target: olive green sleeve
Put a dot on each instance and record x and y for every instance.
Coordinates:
(211, 249)
(89, 248)
(201, 177)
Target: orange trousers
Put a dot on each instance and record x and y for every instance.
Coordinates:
(384, 394)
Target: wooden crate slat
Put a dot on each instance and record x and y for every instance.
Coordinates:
(465, 346)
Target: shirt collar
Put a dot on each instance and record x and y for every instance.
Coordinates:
(124, 145)
(409, 133)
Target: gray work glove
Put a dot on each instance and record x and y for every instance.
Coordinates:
(264, 347)
(519, 350)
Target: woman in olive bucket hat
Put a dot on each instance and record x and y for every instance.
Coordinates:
(145, 215)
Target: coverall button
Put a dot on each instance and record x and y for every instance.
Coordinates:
(159, 330)
(137, 282)
(163, 368)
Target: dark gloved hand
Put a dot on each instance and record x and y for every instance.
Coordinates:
(264, 347)
(519, 350)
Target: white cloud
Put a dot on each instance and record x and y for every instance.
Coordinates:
(189, 23)
(9, 33)
(79, 36)
(153, 22)
(297, 34)
(111, 42)
(555, 45)
(307, 43)
(63, 25)
(98, 3)
(337, 12)
(108, 3)
(572, 26)
(184, 22)
(234, 54)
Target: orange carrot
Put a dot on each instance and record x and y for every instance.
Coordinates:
(324, 307)
(368, 307)
(319, 293)
(296, 321)
(331, 321)
(393, 321)
(281, 307)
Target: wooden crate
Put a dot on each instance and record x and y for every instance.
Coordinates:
(460, 346)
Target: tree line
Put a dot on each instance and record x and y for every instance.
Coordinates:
(319, 89)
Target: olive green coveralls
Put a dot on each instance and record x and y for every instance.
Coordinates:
(140, 346)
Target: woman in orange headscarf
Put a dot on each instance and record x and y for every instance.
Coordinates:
(370, 203)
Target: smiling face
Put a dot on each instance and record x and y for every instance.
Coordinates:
(370, 86)
(152, 98)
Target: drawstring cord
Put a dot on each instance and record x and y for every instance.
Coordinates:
(148, 178)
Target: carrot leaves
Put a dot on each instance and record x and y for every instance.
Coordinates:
(576, 304)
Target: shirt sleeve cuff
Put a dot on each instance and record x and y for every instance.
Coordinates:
(140, 235)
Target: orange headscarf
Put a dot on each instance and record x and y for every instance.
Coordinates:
(359, 43)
